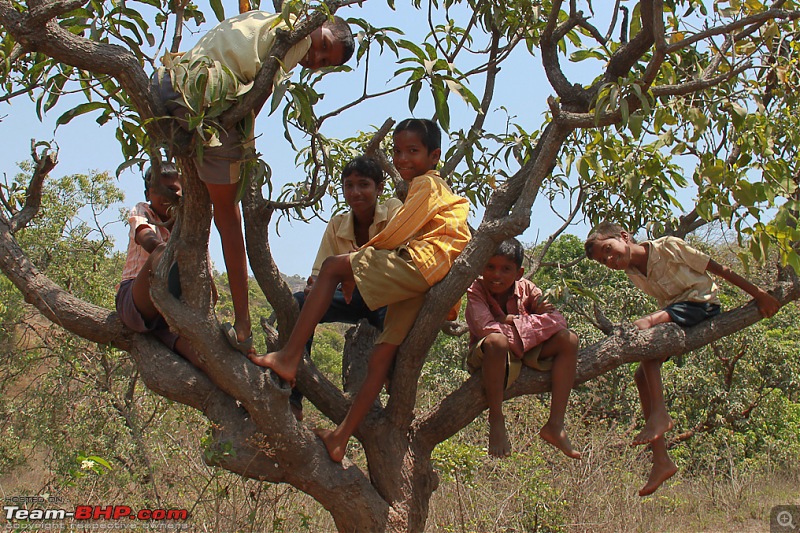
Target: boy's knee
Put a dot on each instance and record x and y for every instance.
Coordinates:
(336, 265)
(155, 257)
(572, 339)
(495, 341)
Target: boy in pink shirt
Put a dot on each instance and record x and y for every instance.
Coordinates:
(511, 325)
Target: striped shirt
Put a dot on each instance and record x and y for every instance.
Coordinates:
(432, 224)
(141, 215)
(676, 272)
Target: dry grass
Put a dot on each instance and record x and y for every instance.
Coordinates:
(539, 489)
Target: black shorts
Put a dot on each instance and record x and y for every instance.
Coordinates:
(688, 314)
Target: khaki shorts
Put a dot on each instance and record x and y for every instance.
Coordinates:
(513, 365)
(390, 278)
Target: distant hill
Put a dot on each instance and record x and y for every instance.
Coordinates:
(297, 283)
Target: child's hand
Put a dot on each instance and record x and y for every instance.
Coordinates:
(543, 307)
(767, 304)
(507, 319)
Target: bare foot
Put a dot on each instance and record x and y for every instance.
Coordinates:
(656, 426)
(335, 448)
(658, 475)
(557, 436)
(499, 445)
(278, 362)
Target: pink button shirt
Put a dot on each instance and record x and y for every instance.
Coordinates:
(528, 330)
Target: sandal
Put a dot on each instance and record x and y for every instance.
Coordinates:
(244, 346)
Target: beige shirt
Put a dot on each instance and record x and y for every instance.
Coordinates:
(676, 272)
(340, 235)
(230, 55)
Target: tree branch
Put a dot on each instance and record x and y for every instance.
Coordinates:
(33, 196)
(625, 344)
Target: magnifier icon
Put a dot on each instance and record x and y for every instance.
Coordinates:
(785, 519)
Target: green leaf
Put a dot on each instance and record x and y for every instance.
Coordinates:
(441, 106)
(413, 95)
(79, 110)
(219, 10)
(413, 48)
(635, 124)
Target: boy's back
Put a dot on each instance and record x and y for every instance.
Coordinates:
(676, 272)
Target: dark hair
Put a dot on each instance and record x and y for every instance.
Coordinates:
(342, 33)
(601, 232)
(364, 166)
(511, 249)
(427, 130)
(166, 168)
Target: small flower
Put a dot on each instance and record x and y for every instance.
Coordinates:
(88, 464)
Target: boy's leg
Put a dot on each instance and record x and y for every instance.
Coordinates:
(658, 421)
(338, 311)
(378, 370)
(140, 291)
(335, 270)
(663, 467)
(228, 220)
(493, 378)
(563, 347)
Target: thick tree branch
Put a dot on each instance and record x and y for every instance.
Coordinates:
(626, 344)
(573, 96)
(49, 38)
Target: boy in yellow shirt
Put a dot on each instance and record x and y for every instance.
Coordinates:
(396, 268)
(362, 184)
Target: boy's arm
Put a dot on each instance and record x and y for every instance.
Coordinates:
(147, 238)
(480, 318)
(767, 304)
(539, 321)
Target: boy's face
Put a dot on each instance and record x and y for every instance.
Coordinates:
(325, 50)
(360, 192)
(160, 202)
(499, 275)
(613, 252)
(411, 157)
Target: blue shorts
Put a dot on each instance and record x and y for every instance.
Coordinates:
(688, 314)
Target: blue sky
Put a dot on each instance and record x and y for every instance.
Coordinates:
(521, 88)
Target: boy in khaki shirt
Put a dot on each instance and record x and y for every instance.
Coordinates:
(676, 275)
